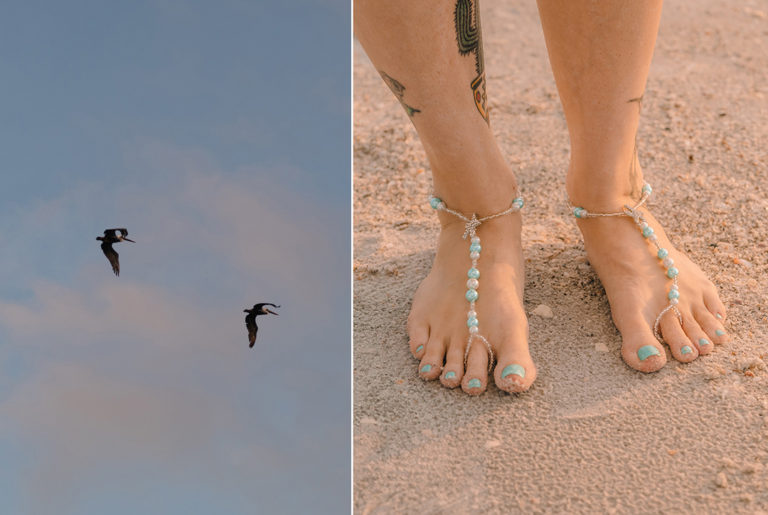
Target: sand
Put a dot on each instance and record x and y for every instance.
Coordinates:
(592, 435)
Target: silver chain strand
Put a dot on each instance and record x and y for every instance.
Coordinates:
(470, 231)
(637, 216)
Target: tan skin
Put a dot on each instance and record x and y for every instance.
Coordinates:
(414, 44)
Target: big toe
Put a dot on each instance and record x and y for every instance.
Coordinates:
(640, 348)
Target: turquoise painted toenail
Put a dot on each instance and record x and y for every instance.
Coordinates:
(419, 348)
(474, 383)
(686, 350)
(719, 316)
(513, 369)
(719, 332)
(450, 375)
(703, 341)
(426, 368)
(646, 351)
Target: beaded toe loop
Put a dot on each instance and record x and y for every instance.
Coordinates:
(473, 274)
(633, 212)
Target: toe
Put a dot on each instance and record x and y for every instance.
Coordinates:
(454, 364)
(514, 371)
(714, 305)
(696, 335)
(640, 348)
(418, 335)
(681, 339)
(683, 349)
(432, 362)
(715, 332)
(475, 378)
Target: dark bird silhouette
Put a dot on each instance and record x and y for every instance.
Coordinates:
(250, 319)
(111, 236)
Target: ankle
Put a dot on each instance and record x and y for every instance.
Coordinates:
(601, 191)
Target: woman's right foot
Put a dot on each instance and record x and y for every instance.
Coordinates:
(437, 324)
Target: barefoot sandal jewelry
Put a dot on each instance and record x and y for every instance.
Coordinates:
(470, 231)
(673, 296)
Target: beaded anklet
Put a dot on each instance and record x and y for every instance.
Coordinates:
(663, 254)
(470, 230)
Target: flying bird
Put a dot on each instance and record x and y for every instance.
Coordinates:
(250, 319)
(111, 236)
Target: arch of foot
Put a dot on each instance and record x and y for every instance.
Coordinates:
(673, 295)
(473, 283)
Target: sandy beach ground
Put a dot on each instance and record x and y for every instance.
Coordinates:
(592, 435)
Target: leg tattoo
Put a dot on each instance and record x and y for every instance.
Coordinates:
(399, 90)
(469, 39)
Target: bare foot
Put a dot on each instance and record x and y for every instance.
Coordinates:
(437, 324)
(637, 287)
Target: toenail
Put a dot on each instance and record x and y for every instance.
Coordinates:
(419, 348)
(719, 316)
(646, 351)
(719, 332)
(474, 383)
(450, 375)
(703, 341)
(686, 349)
(513, 369)
(425, 368)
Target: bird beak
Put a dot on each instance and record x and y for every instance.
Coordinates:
(246, 311)
(126, 239)
(270, 311)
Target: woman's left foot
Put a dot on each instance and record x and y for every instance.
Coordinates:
(637, 287)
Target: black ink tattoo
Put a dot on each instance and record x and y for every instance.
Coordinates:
(634, 172)
(399, 90)
(469, 38)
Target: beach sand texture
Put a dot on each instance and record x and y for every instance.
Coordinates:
(592, 435)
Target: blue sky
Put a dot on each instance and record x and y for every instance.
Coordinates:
(218, 134)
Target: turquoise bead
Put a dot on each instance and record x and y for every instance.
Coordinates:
(579, 212)
(673, 294)
(472, 321)
(672, 272)
(519, 202)
(474, 383)
(425, 368)
(473, 273)
(450, 375)
(471, 295)
(647, 189)
(647, 232)
(686, 349)
(435, 202)
(475, 247)
(513, 369)
(662, 253)
(646, 351)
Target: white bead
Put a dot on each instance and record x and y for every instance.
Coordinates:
(668, 262)
(472, 314)
(475, 239)
(653, 237)
(643, 225)
(674, 301)
(474, 329)
(473, 284)
(674, 287)
(474, 255)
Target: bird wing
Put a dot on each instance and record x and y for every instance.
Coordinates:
(112, 256)
(258, 307)
(111, 232)
(250, 323)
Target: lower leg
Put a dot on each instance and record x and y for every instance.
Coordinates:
(600, 54)
(430, 55)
